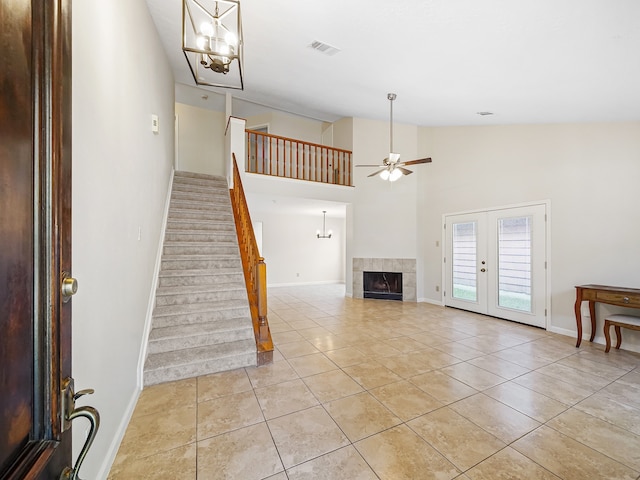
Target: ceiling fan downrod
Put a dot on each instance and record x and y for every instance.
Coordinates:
(391, 97)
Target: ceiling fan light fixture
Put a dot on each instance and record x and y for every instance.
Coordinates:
(384, 175)
(212, 42)
(394, 175)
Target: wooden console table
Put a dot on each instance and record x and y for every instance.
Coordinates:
(622, 297)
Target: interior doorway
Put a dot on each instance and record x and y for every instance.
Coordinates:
(496, 263)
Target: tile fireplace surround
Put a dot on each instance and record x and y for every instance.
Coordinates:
(406, 266)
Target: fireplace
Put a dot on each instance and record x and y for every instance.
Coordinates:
(382, 285)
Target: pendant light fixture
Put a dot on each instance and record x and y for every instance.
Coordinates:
(212, 42)
(325, 234)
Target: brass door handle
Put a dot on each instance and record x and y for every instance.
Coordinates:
(68, 288)
(70, 412)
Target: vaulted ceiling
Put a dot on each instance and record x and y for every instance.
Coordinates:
(525, 61)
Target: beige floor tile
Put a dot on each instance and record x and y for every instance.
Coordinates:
(314, 332)
(284, 398)
(483, 344)
(222, 384)
(535, 405)
(530, 361)
(278, 476)
(496, 418)
(304, 435)
(458, 350)
(473, 376)
(625, 390)
(224, 414)
(614, 442)
(312, 364)
(610, 409)
(436, 359)
(461, 442)
(345, 357)
(406, 365)
(616, 358)
(378, 349)
(442, 387)
(280, 338)
(568, 458)
(361, 415)
(329, 342)
(553, 387)
(160, 398)
(270, 374)
(247, 454)
(400, 454)
(406, 344)
(297, 349)
(148, 435)
(371, 374)
(405, 400)
(498, 366)
(177, 463)
(508, 464)
(584, 364)
(332, 385)
(575, 377)
(343, 464)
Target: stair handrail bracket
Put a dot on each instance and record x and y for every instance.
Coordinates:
(254, 268)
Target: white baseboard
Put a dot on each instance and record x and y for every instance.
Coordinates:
(599, 338)
(306, 284)
(119, 435)
(431, 301)
(154, 284)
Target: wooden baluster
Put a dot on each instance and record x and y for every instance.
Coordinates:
(261, 284)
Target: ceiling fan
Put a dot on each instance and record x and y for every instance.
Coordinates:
(392, 168)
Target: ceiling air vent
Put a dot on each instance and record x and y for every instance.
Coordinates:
(324, 48)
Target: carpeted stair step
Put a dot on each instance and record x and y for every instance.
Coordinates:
(200, 237)
(201, 204)
(168, 315)
(189, 221)
(166, 296)
(199, 262)
(181, 337)
(174, 278)
(180, 364)
(195, 248)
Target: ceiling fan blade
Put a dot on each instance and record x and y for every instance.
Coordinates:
(379, 166)
(416, 162)
(377, 172)
(404, 171)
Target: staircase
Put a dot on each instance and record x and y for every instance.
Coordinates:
(201, 321)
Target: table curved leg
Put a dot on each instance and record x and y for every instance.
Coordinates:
(618, 336)
(592, 313)
(578, 320)
(607, 336)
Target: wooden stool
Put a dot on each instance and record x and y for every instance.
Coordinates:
(626, 321)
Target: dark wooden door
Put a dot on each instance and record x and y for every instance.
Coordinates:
(35, 235)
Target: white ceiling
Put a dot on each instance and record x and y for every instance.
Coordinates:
(527, 61)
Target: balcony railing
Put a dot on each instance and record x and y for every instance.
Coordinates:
(289, 158)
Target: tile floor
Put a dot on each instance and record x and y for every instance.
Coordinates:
(371, 389)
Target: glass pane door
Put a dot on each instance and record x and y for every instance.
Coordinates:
(514, 263)
(464, 258)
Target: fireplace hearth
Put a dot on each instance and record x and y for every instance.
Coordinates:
(382, 285)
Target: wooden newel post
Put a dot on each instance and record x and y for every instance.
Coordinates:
(261, 280)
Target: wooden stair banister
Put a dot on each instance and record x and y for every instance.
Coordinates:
(255, 270)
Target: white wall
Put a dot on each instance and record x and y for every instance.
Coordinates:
(200, 140)
(121, 173)
(293, 253)
(291, 126)
(590, 174)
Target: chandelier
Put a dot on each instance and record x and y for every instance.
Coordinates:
(212, 42)
(324, 234)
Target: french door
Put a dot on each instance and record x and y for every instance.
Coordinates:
(495, 263)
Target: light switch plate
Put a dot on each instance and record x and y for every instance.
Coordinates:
(155, 127)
